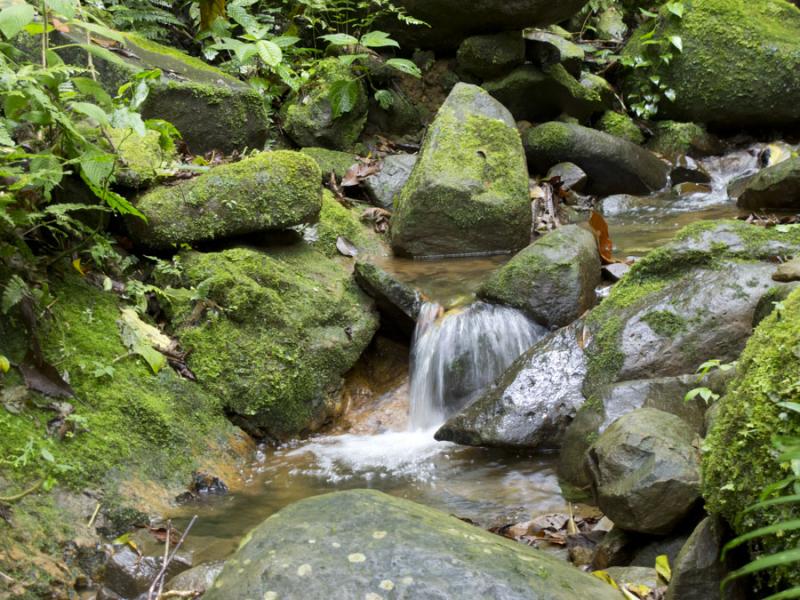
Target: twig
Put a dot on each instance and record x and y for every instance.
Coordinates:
(179, 594)
(94, 515)
(166, 557)
(6, 578)
(163, 570)
(21, 495)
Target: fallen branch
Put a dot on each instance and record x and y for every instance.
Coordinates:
(159, 580)
(6, 578)
(179, 594)
(22, 494)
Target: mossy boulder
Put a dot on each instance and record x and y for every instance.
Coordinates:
(372, 545)
(540, 94)
(553, 280)
(308, 115)
(468, 192)
(331, 161)
(620, 125)
(738, 64)
(614, 165)
(272, 333)
(672, 139)
(142, 160)
(335, 221)
(774, 188)
(211, 109)
(267, 192)
(739, 460)
(490, 56)
(545, 48)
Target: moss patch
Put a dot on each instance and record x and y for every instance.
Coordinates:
(621, 126)
(337, 221)
(664, 322)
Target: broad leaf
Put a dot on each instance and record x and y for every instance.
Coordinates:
(340, 39)
(14, 18)
(378, 39)
(66, 8)
(676, 8)
(676, 41)
(404, 66)
(89, 87)
(284, 41)
(92, 111)
(269, 52)
(343, 96)
(384, 99)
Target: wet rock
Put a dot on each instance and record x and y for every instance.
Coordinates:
(774, 188)
(398, 302)
(697, 571)
(650, 548)
(469, 189)
(539, 94)
(369, 544)
(688, 170)
(672, 139)
(198, 579)
(619, 204)
(571, 176)
(129, 574)
(615, 549)
(620, 125)
(331, 161)
(745, 54)
(553, 280)
(645, 576)
(386, 184)
(490, 56)
(450, 22)
(204, 484)
(545, 49)
(788, 271)
(308, 116)
(645, 471)
(268, 192)
(532, 403)
(615, 271)
(614, 165)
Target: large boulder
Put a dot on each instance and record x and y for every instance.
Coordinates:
(468, 192)
(538, 94)
(370, 545)
(308, 115)
(746, 55)
(490, 56)
(532, 404)
(645, 471)
(272, 332)
(553, 280)
(450, 21)
(270, 191)
(614, 165)
(697, 572)
(774, 188)
(211, 109)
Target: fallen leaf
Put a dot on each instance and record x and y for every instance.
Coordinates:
(58, 25)
(360, 171)
(379, 217)
(14, 398)
(5, 364)
(663, 568)
(604, 243)
(346, 247)
(143, 339)
(44, 377)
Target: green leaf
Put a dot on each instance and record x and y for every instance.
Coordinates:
(14, 18)
(65, 8)
(349, 59)
(670, 94)
(284, 41)
(5, 364)
(648, 13)
(140, 338)
(92, 111)
(384, 99)
(760, 532)
(676, 8)
(269, 52)
(662, 567)
(676, 41)
(103, 32)
(5, 137)
(795, 498)
(124, 118)
(793, 406)
(47, 455)
(89, 87)
(785, 595)
(765, 562)
(404, 66)
(343, 96)
(340, 39)
(378, 39)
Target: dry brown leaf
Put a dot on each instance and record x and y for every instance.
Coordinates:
(604, 243)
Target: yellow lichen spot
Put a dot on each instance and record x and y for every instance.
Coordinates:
(356, 557)
(336, 545)
(218, 584)
(271, 596)
(487, 551)
(373, 596)
(378, 535)
(304, 570)
(247, 561)
(387, 584)
(407, 580)
(312, 541)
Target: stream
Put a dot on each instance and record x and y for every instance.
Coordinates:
(385, 441)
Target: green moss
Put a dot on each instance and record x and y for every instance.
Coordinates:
(621, 126)
(337, 221)
(673, 139)
(280, 330)
(739, 460)
(665, 323)
(331, 161)
(142, 159)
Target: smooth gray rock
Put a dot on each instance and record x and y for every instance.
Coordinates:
(397, 302)
(385, 185)
(571, 175)
(646, 576)
(614, 165)
(774, 188)
(645, 471)
(197, 579)
(532, 404)
(697, 571)
(553, 280)
(468, 192)
(367, 544)
(490, 56)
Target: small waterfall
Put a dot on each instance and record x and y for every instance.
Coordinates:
(456, 355)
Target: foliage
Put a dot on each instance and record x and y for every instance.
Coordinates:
(151, 19)
(655, 51)
(707, 394)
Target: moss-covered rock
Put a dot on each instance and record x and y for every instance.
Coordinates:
(335, 221)
(553, 280)
(738, 63)
(308, 116)
(673, 139)
(270, 191)
(540, 94)
(468, 191)
(372, 545)
(774, 188)
(142, 160)
(272, 333)
(545, 48)
(331, 161)
(490, 56)
(620, 125)
(614, 165)
(739, 460)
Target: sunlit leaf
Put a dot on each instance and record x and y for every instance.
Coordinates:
(5, 364)
(676, 41)
(92, 111)
(340, 39)
(269, 52)
(404, 66)
(14, 18)
(662, 567)
(66, 8)
(378, 39)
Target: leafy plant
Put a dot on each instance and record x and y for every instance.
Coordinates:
(705, 393)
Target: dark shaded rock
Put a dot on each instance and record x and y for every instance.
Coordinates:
(614, 165)
(688, 170)
(615, 549)
(774, 188)
(545, 49)
(697, 571)
(571, 176)
(532, 404)
(553, 280)
(403, 117)
(645, 471)
(468, 191)
(398, 302)
(204, 484)
(646, 576)
(129, 574)
(619, 204)
(490, 56)
(369, 543)
(534, 94)
(788, 271)
(669, 545)
(385, 185)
